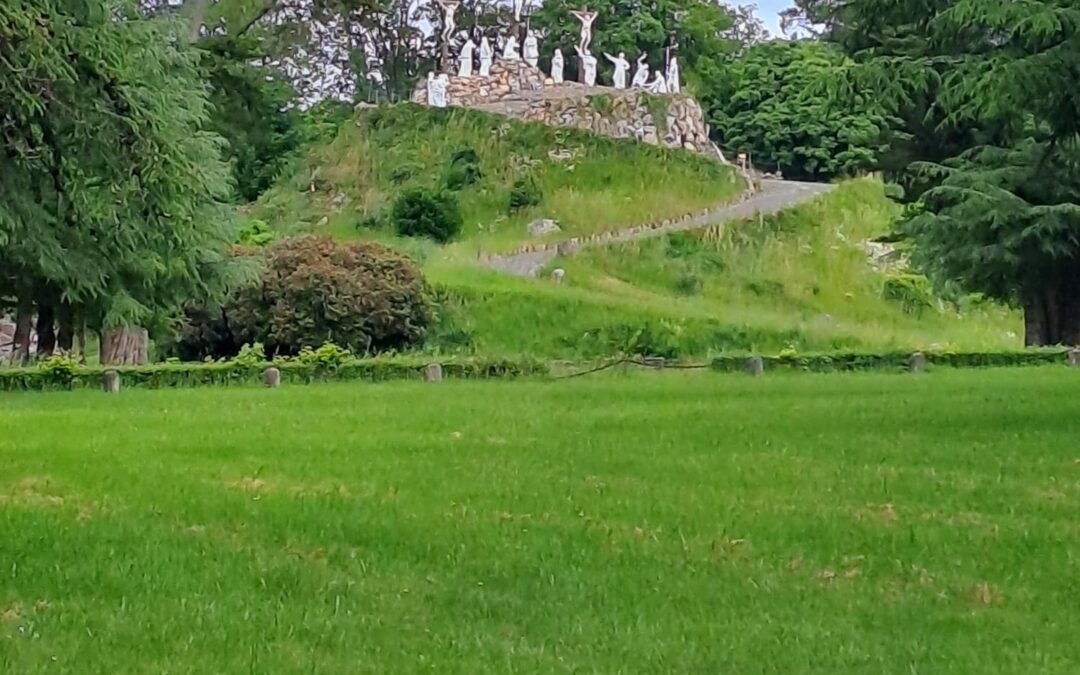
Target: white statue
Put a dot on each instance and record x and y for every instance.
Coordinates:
(622, 66)
(589, 63)
(437, 87)
(518, 4)
(531, 50)
(486, 56)
(449, 7)
(465, 66)
(510, 49)
(557, 66)
(659, 85)
(641, 75)
(673, 76)
(586, 18)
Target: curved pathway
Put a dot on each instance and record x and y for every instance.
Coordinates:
(774, 196)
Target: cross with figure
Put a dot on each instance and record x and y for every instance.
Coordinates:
(586, 18)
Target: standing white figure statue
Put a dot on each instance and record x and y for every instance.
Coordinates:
(622, 66)
(531, 50)
(586, 18)
(449, 7)
(510, 49)
(673, 76)
(589, 63)
(518, 5)
(641, 75)
(557, 66)
(659, 85)
(466, 65)
(486, 56)
(437, 89)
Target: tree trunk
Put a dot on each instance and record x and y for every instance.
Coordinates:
(24, 324)
(124, 347)
(46, 331)
(65, 338)
(1052, 316)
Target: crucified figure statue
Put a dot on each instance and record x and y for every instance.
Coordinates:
(586, 18)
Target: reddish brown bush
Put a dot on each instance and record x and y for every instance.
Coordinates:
(313, 290)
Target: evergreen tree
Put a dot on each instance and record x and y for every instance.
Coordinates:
(988, 92)
(112, 192)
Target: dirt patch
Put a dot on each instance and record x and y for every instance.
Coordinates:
(33, 492)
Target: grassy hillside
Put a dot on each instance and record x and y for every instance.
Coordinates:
(795, 281)
(588, 183)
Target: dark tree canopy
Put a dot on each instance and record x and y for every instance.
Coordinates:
(988, 94)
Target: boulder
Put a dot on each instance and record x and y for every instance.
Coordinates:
(542, 227)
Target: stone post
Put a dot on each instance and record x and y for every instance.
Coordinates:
(917, 363)
(1074, 357)
(110, 382)
(755, 366)
(433, 372)
(272, 378)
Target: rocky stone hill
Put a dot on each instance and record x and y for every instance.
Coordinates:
(519, 90)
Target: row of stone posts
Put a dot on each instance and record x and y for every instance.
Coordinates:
(433, 372)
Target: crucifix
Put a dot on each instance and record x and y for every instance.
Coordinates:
(449, 8)
(586, 18)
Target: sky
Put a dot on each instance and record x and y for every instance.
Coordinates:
(769, 10)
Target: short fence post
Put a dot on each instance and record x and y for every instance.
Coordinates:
(755, 366)
(272, 378)
(1074, 357)
(110, 382)
(433, 372)
(917, 363)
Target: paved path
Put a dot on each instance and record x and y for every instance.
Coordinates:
(775, 195)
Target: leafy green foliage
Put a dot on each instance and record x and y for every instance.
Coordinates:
(362, 296)
(998, 182)
(911, 291)
(251, 111)
(113, 195)
(772, 103)
(525, 193)
(427, 213)
(255, 232)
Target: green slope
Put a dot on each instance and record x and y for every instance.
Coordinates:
(589, 183)
(795, 281)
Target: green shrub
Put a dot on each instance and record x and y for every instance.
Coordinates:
(911, 291)
(256, 232)
(423, 213)
(58, 370)
(525, 193)
(688, 284)
(327, 357)
(460, 176)
(360, 295)
(251, 356)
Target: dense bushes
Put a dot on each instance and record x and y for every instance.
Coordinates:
(311, 290)
(425, 213)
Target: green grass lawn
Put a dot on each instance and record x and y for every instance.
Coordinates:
(659, 523)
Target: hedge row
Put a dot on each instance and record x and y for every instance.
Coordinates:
(851, 361)
(171, 375)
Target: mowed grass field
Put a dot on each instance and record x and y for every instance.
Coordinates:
(649, 523)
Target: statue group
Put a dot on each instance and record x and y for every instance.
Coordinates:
(471, 54)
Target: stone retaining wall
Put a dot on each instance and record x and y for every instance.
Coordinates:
(519, 90)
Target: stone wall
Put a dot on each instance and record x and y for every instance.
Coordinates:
(518, 90)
